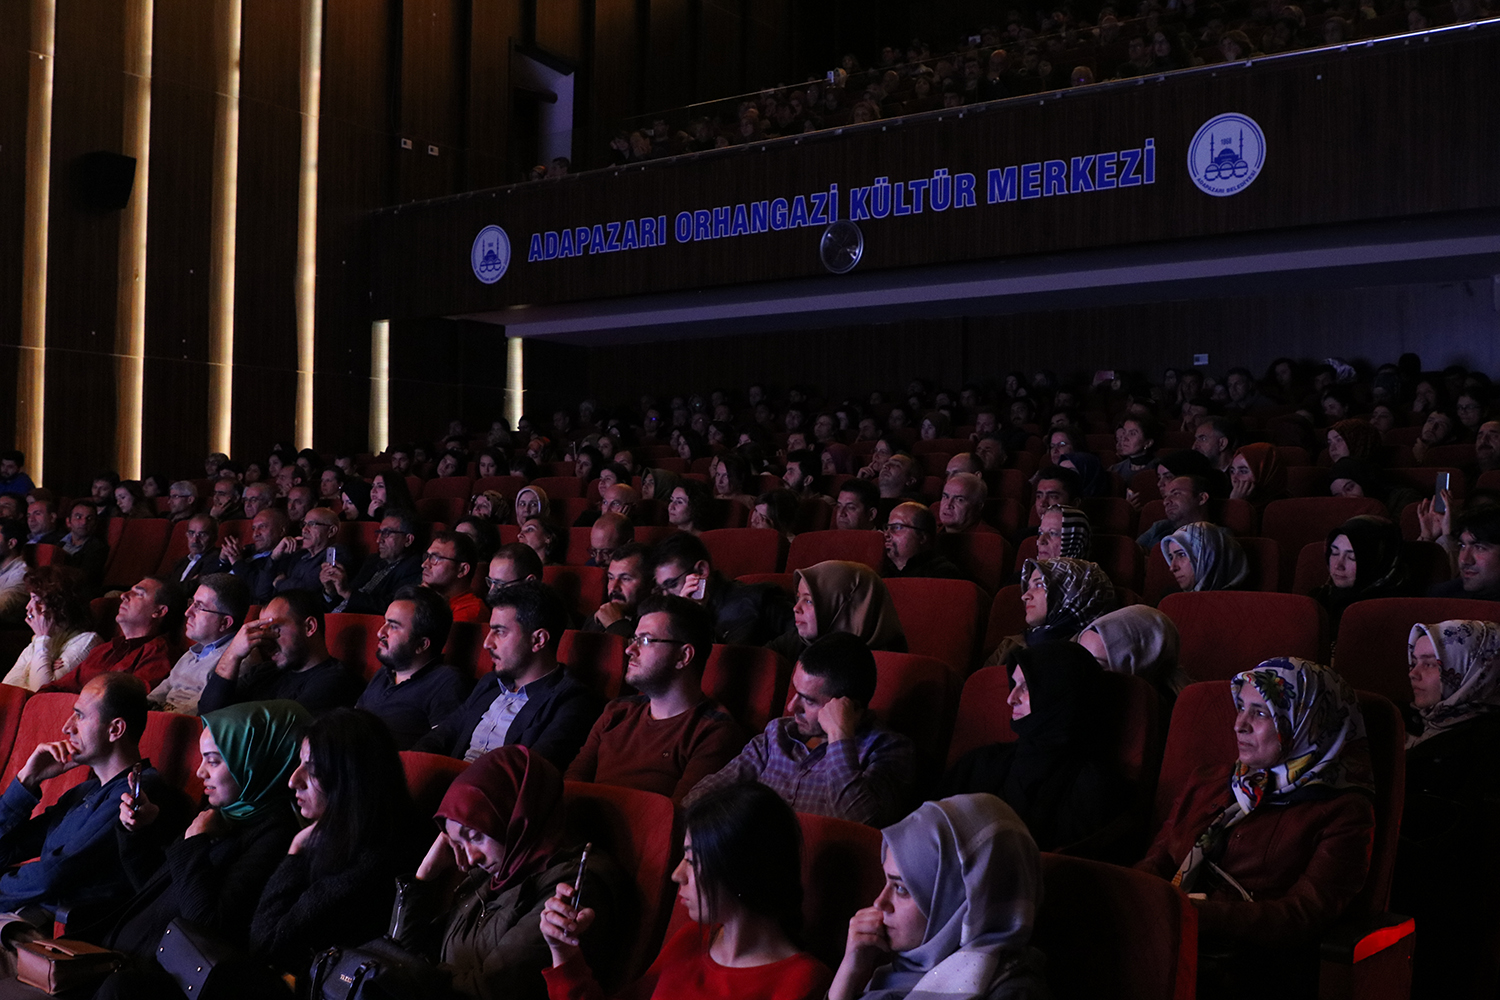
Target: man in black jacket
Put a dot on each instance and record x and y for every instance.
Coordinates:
(749, 614)
(529, 699)
(394, 565)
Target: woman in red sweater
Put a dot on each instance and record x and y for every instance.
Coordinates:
(740, 883)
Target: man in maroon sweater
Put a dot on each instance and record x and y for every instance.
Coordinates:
(671, 734)
(148, 614)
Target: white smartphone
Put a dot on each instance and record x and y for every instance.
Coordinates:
(330, 555)
(1438, 487)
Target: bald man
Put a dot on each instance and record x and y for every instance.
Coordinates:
(962, 505)
(610, 532)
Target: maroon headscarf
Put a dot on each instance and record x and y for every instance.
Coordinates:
(1270, 473)
(516, 797)
(843, 460)
(1361, 438)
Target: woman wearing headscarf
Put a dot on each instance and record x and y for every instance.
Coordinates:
(954, 921)
(1056, 774)
(1141, 641)
(838, 460)
(1258, 475)
(1064, 533)
(354, 500)
(1353, 438)
(658, 484)
(1093, 478)
(1447, 827)
(1061, 597)
(531, 501)
(1274, 845)
(837, 596)
(1364, 562)
(214, 875)
(1354, 477)
(1204, 556)
(499, 857)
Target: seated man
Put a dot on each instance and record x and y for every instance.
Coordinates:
(990, 450)
(858, 506)
(962, 505)
(1217, 439)
(1478, 557)
(626, 583)
(448, 569)
(1184, 501)
(513, 563)
(217, 612)
(394, 565)
(801, 475)
(528, 699)
(73, 842)
(911, 546)
(254, 564)
(149, 612)
(670, 735)
(744, 613)
(182, 500)
(12, 480)
(299, 500)
(964, 461)
(610, 532)
(416, 690)
(83, 549)
(899, 480)
(621, 499)
(258, 497)
(298, 560)
(225, 503)
(41, 522)
(201, 559)
(1055, 487)
(828, 756)
(14, 594)
(282, 654)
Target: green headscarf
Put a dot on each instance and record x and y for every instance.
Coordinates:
(261, 742)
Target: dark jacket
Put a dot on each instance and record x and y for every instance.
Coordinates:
(1455, 588)
(320, 688)
(556, 719)
(927, 565)
(747, 614)
(208, 564)
(406, 573)
(90, 560)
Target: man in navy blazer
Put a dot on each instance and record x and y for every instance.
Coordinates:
(529, 699)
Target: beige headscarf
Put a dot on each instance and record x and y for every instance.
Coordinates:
(1142, 641)
(850, 597)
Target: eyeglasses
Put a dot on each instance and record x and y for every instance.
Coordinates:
(388, 532)
(647, 641)
(493, 583)
(600, 556)
(896, 527)
(435, 557)
(671, 586)
(180, 496)
(204, 609)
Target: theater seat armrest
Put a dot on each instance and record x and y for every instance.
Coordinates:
(1353, 940)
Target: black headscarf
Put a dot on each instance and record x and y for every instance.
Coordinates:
(1380, 570)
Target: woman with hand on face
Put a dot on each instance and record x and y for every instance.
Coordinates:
(1258, 475)
(1273, 846)
(501, 852)
(740, 883)
(336, 883)
(954, 921)
(387, 489)
(1446, 876)
(214, 875)
(58, 617)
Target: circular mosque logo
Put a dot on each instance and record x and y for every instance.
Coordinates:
(490, 255)
(1226, 155)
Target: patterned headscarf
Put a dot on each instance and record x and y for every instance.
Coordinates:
(1140, 640)
(1269, 471)
(1218, 561)
(1469, 654)
(516, 797)
(1077, 533)
(1078, 591)
(1323, 745)
(974, 871)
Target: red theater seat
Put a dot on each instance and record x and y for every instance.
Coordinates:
(1371, 652)
(465, 649)
(1294, 523)
(596, 659)
(813, 547)
(918, 697)
(1226, 631)
(750, 681)
(1239, 516)
(738, 551)
(581, 587)
(782, 580)
(352, 640)
(441, 510)
(983, 712)
(940, 618)
(1262, 560)
(983, 556)
(841, 874)
(1109, 515)
(428, 776)
(560, 487)
(448, 487)
(142, 542)
(506, 486)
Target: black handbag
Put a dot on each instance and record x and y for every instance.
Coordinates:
(191, 956)
(381, 969)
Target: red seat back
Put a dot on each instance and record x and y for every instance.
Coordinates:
(1239, 516)
(1115, 932)
(441, 510)
(1262, 560)
(465, 648)
(560, 487)
(841, 874)
(177, 548)
(813, 547)
(918, 697)
(428, 776)
(1226, 631)
(738, 551)
(1371, 652)
(782, 580)
(12, 701)
(171, 744)
(578, 546)
(1109, 515)
(1293, 523)
(750, 681)
(142, 542)
(940, 618)
(637, 829)
(506, 486)
(1007, 617)
(42, 718)
(357, 539)
(1426, 564)
(983, 712)
(448, 487)
(43, 554)
(597, 659)
(983, 556)
(352, 640)
(581, 587)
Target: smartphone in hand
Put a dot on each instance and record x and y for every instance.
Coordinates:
(1441, 484)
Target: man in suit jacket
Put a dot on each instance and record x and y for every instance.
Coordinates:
(529, 699)
(202, 557)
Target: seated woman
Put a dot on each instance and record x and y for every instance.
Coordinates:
(740, 883)
(1204, 556)
(337, 882)
(214, 875)
(963, 883)
(729, 474)
(61, 627)
(531, 501)
(658, 484)
(838, 460)
(1258, 475)
(354, 501)
(1064, 533)
(691, 507)
(776, 510)
(1364, 562)
(1446, 825)
(389, 490)
(1061, 597)
(1056, 775)
(549, 541)
(477, 904)
(837, 596)
(1142, 641)
(1353, 438)
(1273, 846)
(492, 506)
(131, 500)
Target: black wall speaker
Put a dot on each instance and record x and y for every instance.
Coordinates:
(102, 181)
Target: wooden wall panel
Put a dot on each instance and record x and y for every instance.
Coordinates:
(360, 72)
(617, 60)
(721, 71)
(559, 28)
(495, 27)
(15, 63)
(271, 52)
(671, 59)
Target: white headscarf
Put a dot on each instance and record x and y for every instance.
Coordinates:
(1469, 654)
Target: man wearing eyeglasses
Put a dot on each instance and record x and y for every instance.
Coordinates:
(750, 614)
(225, 505)
(394, 564)
(448, 569)
(202, 531)
(182, 501)
(298, 560)
(216, 613)
(512, 564)
(610, 532)
(911, 546)
(670, 735)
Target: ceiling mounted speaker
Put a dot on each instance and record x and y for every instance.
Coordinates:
(841, 247)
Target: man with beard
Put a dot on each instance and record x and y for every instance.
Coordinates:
(627, 581)
(415, 690)
(828, 755)
(670, 735)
